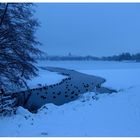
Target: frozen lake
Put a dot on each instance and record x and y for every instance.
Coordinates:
(114, 115)
(119, 75)
(91, 65)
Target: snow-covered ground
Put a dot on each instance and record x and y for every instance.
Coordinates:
(116, 114)
(45, 78)
(92, 65)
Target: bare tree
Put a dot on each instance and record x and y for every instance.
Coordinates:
(17, 44)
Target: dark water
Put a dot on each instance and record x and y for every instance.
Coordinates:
(69, 89)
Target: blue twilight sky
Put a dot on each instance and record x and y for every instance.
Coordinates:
(97, 29)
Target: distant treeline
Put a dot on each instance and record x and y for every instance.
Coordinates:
(69, 58)
(72, 58)
(123, 57)
(120, 57)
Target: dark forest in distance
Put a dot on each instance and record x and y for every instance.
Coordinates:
(121, 57)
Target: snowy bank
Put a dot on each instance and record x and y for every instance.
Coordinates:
(116, 114)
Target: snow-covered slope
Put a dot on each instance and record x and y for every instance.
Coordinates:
(45, 78)
(116, 114)
(113, 115)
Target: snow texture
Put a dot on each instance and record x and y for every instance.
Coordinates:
(116, 114)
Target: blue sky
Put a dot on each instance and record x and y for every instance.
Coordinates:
(97, 29)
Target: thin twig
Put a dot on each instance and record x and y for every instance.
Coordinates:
(5, 10)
